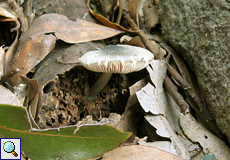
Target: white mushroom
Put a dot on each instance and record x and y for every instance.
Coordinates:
(114, 59)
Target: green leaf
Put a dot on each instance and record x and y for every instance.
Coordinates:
(88, 142)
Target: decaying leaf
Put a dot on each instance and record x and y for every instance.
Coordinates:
(112, 120)
(206, 139)
(139, 152)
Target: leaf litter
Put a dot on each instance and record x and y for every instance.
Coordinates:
(39, 39)
(161, 111)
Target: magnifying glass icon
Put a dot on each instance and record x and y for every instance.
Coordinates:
(9, 147)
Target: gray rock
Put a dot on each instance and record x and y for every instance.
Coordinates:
(200, 31)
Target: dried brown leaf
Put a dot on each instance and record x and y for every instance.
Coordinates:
(139, 152)
(106, 22)
(133, 7)
(150, 15)
(29, 54)
(67, 30)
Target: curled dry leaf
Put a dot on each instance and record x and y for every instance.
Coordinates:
(153, 98)
(134, 41)
(163, 145)
(150, 15)
(139, 152)
(164, 113)
(105, 21)
(134, 7)
(164, 129)
(207, 140)
(5, 11)
(31, 94)
(132, 110)
(8, 15)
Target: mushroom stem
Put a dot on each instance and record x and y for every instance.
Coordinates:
(99, 85)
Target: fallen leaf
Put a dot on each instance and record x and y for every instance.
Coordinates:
(151, 98)
(132, 110)
(134, 7)
(67, 30)
(150, 15)
(8, 15)
(38, 41)
(105, 21)
(163, 145)
(164, 129)
(7, 97)
(31, 94)
(206, 139)
(5, 11)
(32, 90)
(139, 152)
(147, 97)
(30, 54)
(134, 41)
(59, 143)
(165, 113)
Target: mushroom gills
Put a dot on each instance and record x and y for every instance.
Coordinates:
(99, 85)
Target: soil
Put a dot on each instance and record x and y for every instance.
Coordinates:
(67, 101)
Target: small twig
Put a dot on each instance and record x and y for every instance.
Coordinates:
(29, 12)
(2, 55)
(143, 36)
(179, 62)
(185, 85)
(21, 16)
(184, 72)
(172, 89)
(192, 93)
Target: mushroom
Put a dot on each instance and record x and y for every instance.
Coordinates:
(114, 59)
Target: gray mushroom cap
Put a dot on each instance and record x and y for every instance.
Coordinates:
(117, 59)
